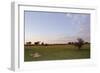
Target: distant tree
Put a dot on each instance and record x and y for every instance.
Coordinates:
(28, 43)
(72, 42)
(79, 43)
(86, 42)
(46, 44)
(69, 43)
(42, 43)
(37, 43)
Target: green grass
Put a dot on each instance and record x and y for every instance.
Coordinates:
(56, 52)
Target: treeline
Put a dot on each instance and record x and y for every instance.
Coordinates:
(35, 43)
(39, 43)
(80, 42)
(75, 42)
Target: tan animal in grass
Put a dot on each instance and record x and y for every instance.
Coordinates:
(35, 55)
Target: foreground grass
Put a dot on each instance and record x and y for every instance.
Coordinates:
(56, 52)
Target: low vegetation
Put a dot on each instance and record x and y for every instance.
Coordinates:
(55, 52)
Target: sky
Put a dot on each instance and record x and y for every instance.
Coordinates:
(56, 27)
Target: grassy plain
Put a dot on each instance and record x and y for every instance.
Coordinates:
(56, 52)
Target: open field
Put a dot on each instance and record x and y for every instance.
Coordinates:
(55, 52)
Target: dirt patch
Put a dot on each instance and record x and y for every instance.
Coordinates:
(35, 55)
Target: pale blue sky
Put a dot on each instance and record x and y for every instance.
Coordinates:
(53, 27)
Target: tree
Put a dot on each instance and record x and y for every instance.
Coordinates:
(87, 43)
(42, 43)
(37, 43)
(46, 44)
(79, 43)
(69, 43)
(28, 43)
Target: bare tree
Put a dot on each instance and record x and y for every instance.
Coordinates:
(79, 43)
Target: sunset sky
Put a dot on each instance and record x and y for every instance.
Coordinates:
(53, 27)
